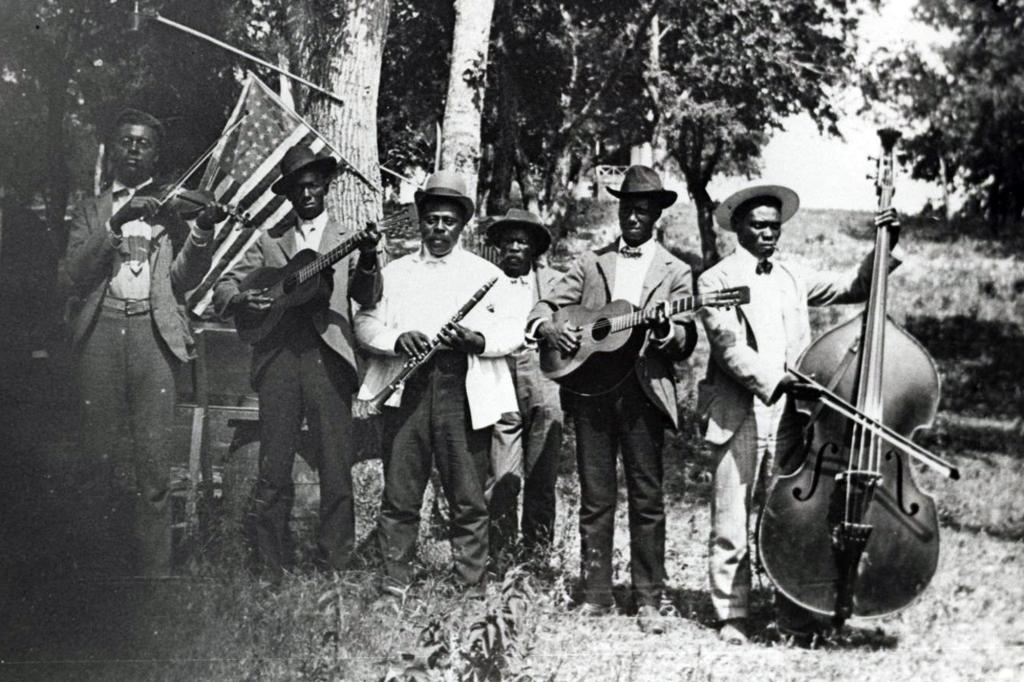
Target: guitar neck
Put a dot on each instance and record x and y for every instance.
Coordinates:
(347, 246)
(636, 318)
(326, 260)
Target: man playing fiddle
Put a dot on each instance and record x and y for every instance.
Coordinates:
(128, 265)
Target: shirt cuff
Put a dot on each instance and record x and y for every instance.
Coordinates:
(532, 328)
(200, 237)
(115, 240)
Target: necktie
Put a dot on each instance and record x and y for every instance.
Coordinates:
(630, 251)
(764, 267)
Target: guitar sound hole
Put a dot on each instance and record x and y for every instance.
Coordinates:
(601, 329)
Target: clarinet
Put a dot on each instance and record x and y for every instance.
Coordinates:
(362, 409)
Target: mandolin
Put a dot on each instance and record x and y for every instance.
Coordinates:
(611, 339)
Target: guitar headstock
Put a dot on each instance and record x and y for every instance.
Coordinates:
(400, 221)
(726, 298)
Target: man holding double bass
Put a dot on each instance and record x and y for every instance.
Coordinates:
(752, 423)
(632, 416)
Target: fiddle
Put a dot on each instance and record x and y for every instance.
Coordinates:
(849, 533)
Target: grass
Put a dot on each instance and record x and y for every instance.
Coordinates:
(957, 294)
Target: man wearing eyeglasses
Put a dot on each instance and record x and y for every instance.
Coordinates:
(632, 417)
(747, 395)
(443, 414)
(127, 267)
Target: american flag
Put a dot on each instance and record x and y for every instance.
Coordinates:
(241, 172)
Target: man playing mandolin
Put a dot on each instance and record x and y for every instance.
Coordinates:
(306, 366)
(633, 415)
(752, 427)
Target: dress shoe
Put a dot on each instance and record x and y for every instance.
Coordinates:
(592, 610)
(734, 631)
(650, 620)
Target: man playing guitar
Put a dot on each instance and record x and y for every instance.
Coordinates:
(632, 416)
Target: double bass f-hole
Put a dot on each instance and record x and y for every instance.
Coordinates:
(914, 507)
(827, 448)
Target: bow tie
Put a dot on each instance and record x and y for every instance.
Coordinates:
(630, 251)
(519, 280)
(764, 267)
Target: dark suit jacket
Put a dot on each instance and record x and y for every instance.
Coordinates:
(590, 281)
(333, 322)
(176, 266)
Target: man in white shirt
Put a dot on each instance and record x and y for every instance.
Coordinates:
(128, 265)
(752, 426)
(443, 414)
(634, 415)
(306, 367)
(526, 444)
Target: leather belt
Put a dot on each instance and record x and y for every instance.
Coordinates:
(129, 307)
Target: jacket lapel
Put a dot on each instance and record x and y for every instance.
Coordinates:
(606, 268)
(655, 274)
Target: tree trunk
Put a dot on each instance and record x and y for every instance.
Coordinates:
(342, 51)
(460, 147)
(705, 223)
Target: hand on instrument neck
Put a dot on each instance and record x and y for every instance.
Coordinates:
(889, 219)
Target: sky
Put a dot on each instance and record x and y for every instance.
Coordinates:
(831, 173)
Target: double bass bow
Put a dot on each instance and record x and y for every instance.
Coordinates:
(849, 533)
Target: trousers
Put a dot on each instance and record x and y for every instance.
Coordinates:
(525, 449)
(432, 427)
(627, 419)
(743, 468)
(125, 376)
(305, 379)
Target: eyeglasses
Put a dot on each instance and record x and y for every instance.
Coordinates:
(141, 142)
(449, 222)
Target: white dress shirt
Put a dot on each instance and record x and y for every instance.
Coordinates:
(309, 233)
(422, 293)
(631, 272)
(774, 295)
(130, 275)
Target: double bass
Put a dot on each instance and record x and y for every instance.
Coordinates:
(849, 533)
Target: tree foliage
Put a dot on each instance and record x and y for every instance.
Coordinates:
(68, 67)
(731, 73)
(966, 109)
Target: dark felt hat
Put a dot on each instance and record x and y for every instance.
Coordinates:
(788, 201)
(517, 217)
(445, 184)
(644, 181)
(300, 158)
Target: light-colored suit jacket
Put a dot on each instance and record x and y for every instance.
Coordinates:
(590, 281)
(176, 265)
(736, 373)
(275, 248)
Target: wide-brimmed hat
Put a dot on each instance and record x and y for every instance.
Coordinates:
(517, 217)
(788, 200)
(644, 181)
(298, 159)
(445, 184)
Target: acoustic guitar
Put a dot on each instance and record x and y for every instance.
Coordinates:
(295, 283)
(611, 339)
